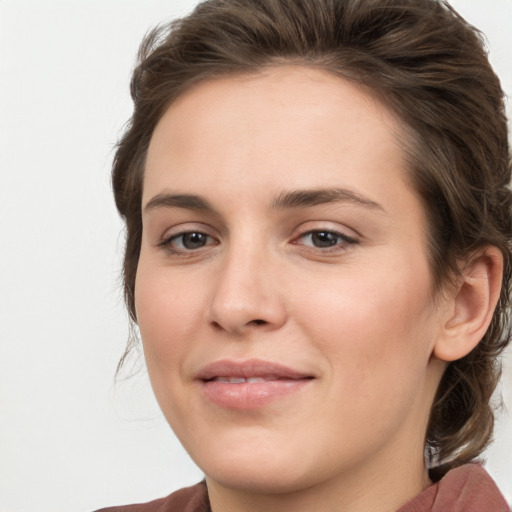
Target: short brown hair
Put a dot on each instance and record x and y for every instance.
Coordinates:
(430, 68)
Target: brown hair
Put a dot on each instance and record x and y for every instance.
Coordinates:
(430, 67)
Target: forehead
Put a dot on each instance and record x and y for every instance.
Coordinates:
(272, 122)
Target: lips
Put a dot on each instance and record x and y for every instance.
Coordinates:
(249, 384)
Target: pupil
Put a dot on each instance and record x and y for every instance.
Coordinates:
(324, 239)
(194, 240)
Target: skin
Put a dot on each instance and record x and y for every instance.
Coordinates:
(358, 317)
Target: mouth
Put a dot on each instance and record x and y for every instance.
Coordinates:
(241, 380)
(249, 384)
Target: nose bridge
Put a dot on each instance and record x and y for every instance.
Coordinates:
(246, 294)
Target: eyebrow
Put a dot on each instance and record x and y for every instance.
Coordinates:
(285, 200)
(187, 201)
(309, 198)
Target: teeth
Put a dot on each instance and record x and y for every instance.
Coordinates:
(238, 380)
(230, 380)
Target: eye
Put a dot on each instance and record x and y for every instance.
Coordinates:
(325, 239)
(188, 241)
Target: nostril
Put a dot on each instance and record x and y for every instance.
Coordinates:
(216, 325)
(219, 326)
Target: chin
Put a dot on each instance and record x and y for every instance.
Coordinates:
(266, 470)
(267, 479)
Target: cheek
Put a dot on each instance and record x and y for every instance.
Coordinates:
(379, 320)
(376, 337)
(167, 313)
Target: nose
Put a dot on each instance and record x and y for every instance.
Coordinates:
(246, 295)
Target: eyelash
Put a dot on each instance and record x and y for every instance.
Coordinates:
(167, 243)
(340, 241)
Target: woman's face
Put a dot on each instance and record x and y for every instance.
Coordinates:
(283, 292)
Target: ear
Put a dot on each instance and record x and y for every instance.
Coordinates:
(471, 306)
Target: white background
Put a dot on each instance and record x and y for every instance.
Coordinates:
(70, 438)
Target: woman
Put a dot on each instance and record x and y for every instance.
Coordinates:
(318, 252)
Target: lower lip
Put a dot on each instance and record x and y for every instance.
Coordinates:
(251, 395)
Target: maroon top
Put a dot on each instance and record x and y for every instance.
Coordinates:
(465, 489)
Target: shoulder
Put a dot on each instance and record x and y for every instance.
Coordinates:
(468, 488)
(188, 499)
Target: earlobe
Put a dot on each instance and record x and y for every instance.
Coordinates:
(472, 306)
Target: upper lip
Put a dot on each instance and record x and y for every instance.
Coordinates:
(249, 368)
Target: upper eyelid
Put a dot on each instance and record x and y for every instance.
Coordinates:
(188, 232)
(330, 226)
(166, 239)
(344, 236)
(188, 227)
(338, 231)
